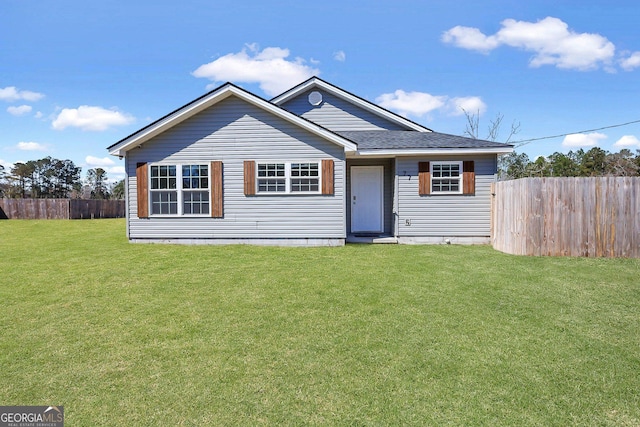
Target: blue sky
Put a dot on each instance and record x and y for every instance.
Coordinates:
(77, 76)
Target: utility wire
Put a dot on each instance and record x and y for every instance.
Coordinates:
(527, 141)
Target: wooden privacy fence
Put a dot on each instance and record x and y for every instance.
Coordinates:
(60, 209)
(589, 217)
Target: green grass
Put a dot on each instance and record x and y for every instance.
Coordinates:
(124, 334)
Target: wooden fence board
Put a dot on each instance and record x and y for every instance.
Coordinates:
(84, 209)
(60, 209)
(592, 217)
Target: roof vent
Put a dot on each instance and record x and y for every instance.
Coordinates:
(315, 98)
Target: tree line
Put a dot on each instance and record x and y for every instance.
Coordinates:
(579, 163)
(54, 178)
(594, 162)
(51, 178)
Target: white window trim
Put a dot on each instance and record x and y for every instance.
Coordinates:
(287, 177)
(454, 162)
(180, 190)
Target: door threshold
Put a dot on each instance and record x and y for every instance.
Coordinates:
(371, 239)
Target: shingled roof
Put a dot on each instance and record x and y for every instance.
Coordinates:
(398, 139)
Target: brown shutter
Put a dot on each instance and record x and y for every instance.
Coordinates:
(216, 190)
(142, 184)
(327, 177)
(424, 178)
(249, 177)
(468, 178)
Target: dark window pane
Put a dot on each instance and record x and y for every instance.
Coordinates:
(164, 202)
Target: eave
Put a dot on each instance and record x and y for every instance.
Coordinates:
(380, 153)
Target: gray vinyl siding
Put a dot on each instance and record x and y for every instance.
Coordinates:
(388, 182)
(337, 114)
(233, 131)
(444, 215)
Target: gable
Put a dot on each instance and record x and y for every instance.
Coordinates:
(339, 110)
(234, 129)
(195, 107)
(337, 114)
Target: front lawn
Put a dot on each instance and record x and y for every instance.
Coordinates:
(124, 334)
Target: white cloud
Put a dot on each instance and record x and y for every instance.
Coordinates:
(418, 104)
(269, 68)
(411, 103)
(340, 56)
(550, 39)
(115, 173)
(19, 110)
(98, 162)
(470, 38)
(31, 146)
(630, 62)
(38, 115)
(627, 141)
(583, 139)
(91, 118)
(11, 93)
(116, 170)
(470, 104)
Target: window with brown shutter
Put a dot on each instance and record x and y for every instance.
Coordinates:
(175, 189)
(446, 177)
(142, 184)
(288, 178)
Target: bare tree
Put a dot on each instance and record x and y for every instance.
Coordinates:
(510, 167)
(493, 129)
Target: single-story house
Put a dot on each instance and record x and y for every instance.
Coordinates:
(316, 165)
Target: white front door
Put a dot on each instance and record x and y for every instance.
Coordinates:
(367, 215)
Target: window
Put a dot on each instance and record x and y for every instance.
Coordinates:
(164, 194)
(271, 178)
(179, 190)
(195, 189)
(288, 177)
(304, 177)
(446, 177)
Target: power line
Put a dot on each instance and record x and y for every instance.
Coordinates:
(527, 141)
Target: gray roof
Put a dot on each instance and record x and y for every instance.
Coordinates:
(400, 139)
